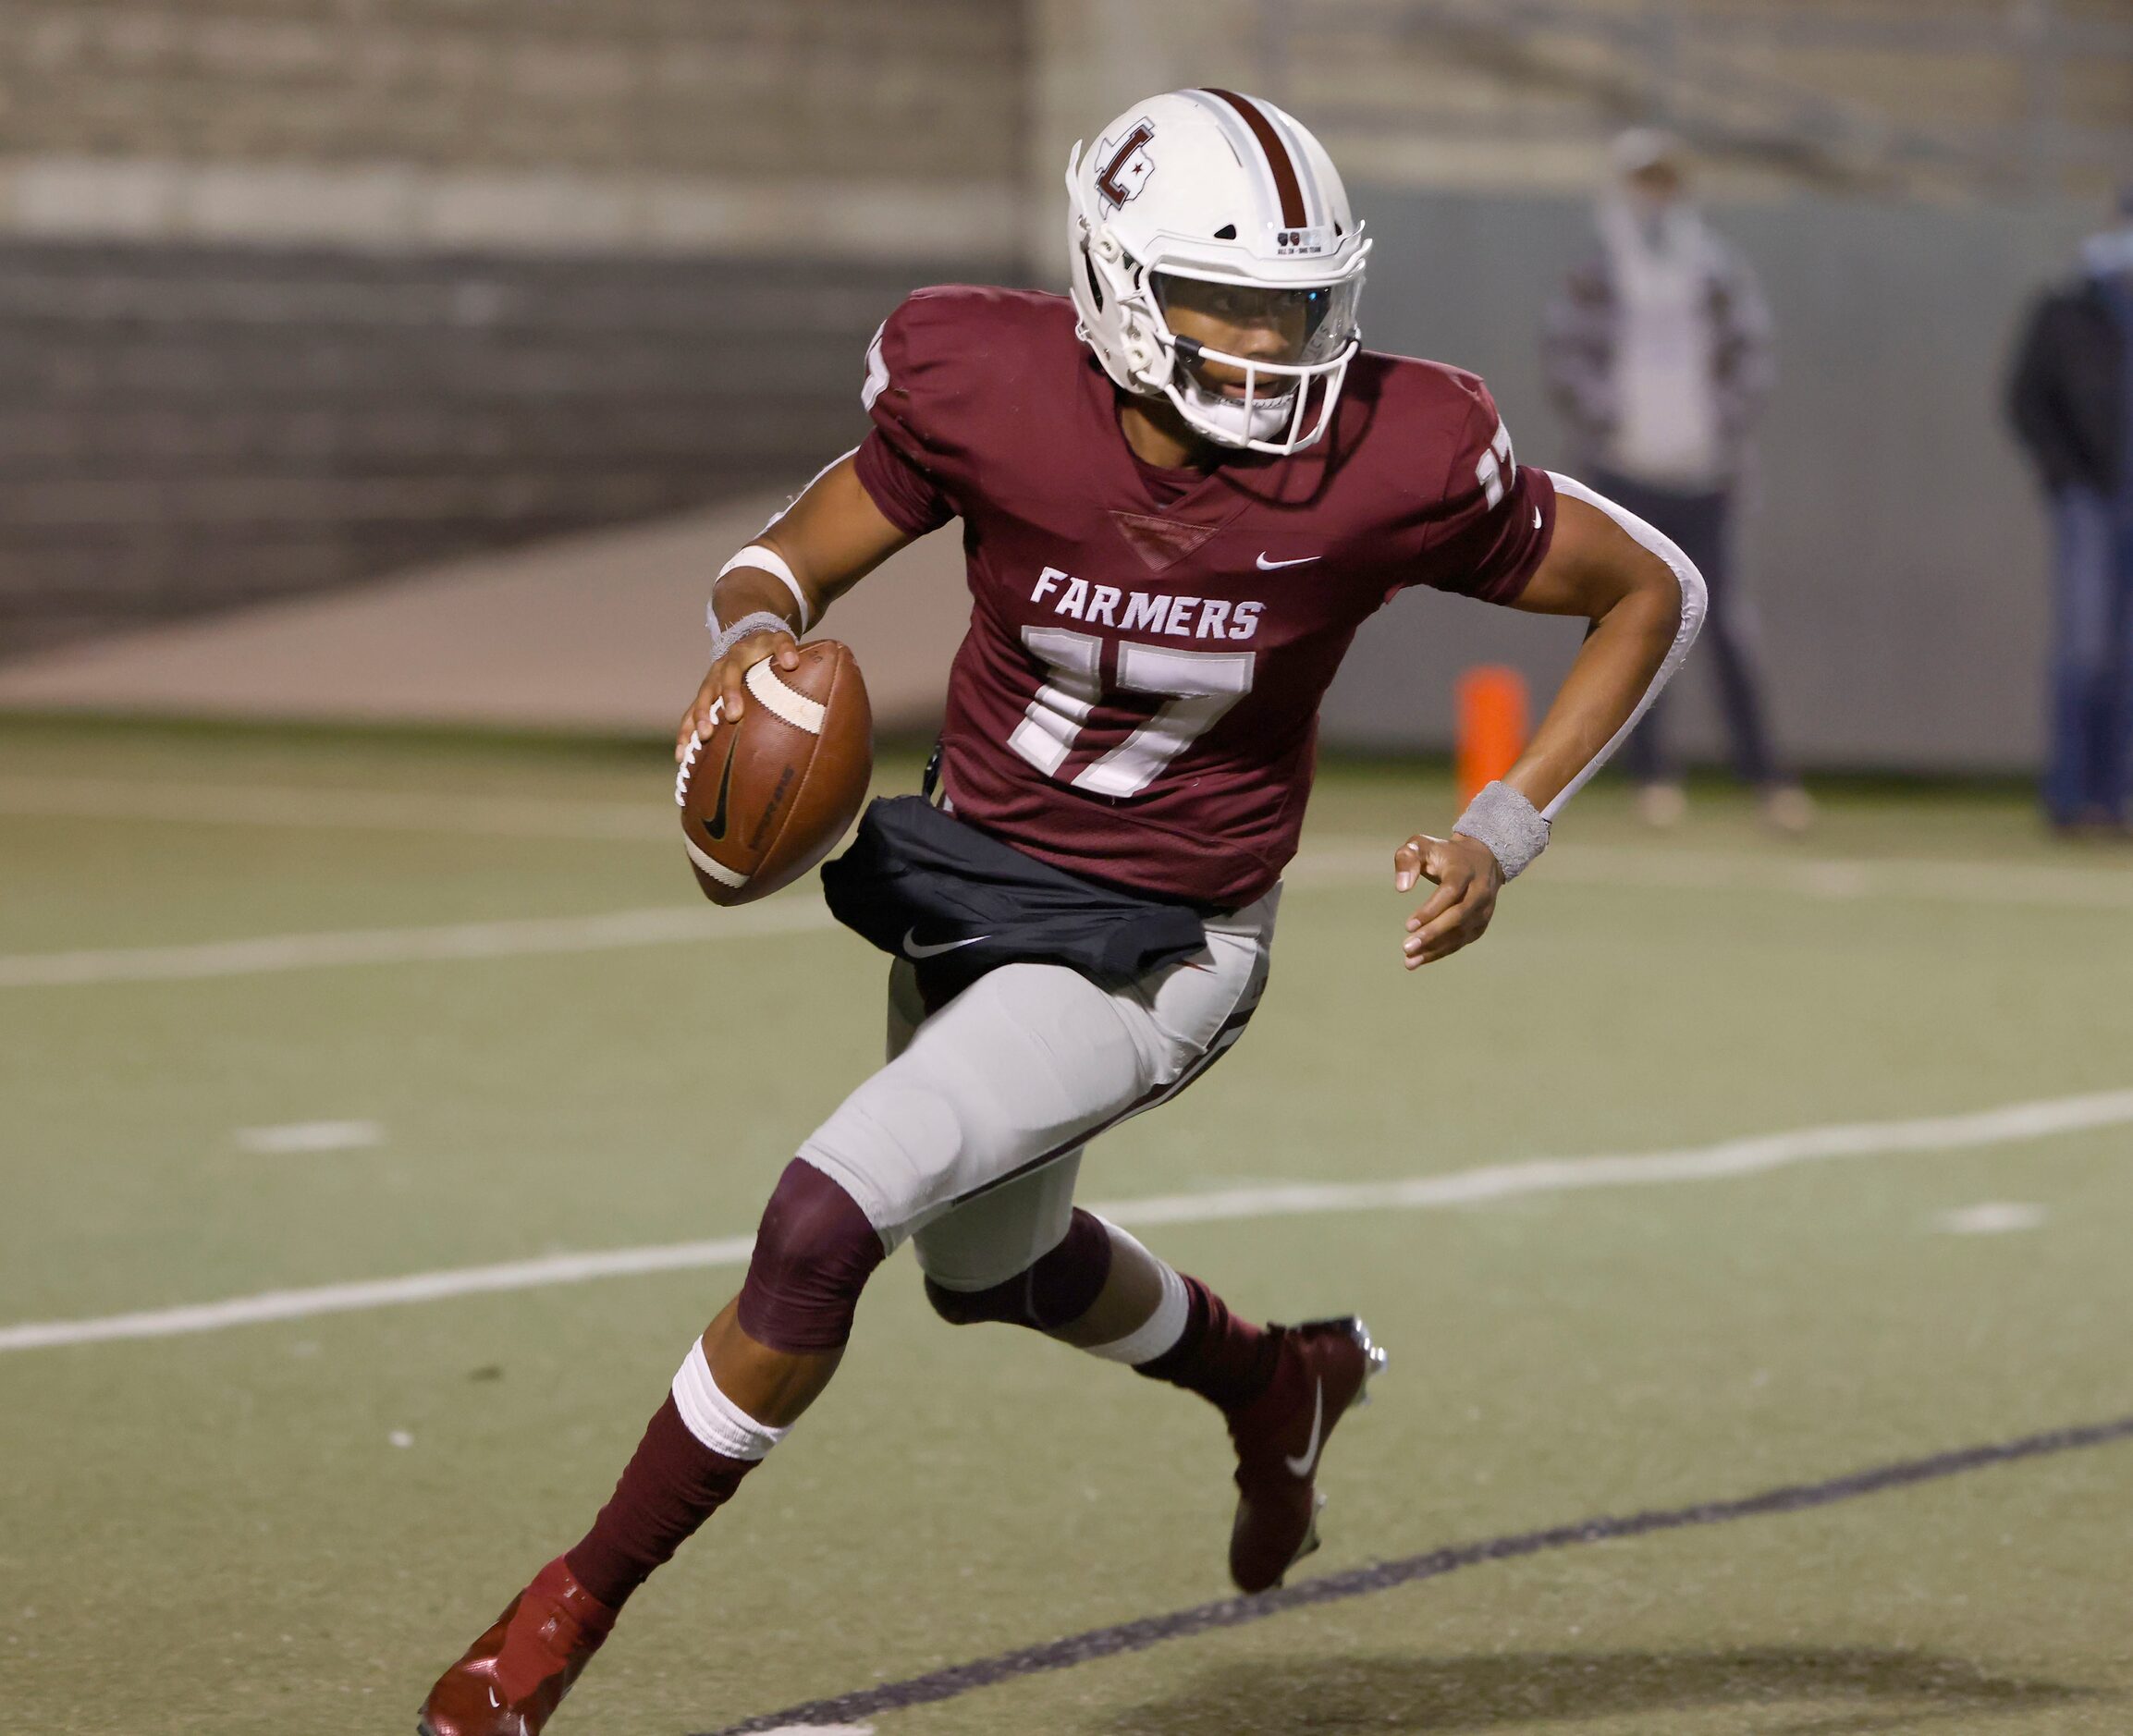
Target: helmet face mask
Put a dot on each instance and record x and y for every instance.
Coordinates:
(1256, 389)
(1215, 263)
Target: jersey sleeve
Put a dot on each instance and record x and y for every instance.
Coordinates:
(907, 461)
(1495, 516)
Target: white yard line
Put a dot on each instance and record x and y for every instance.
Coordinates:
(2036, 884)
(1995, 1218)
(385, 1293)
(1331, 857)
(1841, 879)
(1753, 1155)
(313, 806)
(291, 1137)
(1939, 880)
(519, 939)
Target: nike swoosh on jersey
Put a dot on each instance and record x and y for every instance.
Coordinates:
(1302, 1466)
(715, 825)
(1301, 560)
(1537, 518)
(913, 948)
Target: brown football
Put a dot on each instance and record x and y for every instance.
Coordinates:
(763, 799)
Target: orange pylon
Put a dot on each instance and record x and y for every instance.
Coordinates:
(1491, 721)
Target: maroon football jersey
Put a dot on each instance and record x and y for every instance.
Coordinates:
(1137, 697)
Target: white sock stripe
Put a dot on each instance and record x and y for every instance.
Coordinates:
(715, 1419)
(1162, 1329)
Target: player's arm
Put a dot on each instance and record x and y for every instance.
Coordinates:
(778, 587)
(1644, 600)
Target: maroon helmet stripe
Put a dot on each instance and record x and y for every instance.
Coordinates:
(1286, 186)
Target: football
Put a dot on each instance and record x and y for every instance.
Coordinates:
(765, 797)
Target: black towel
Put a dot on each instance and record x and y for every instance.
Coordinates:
(957, 901)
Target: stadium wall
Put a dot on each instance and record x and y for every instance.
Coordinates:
(1895, 546)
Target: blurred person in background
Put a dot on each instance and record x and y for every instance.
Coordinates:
(1658, 349)
(2071, 401)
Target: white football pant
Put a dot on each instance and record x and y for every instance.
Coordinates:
(970, 1139)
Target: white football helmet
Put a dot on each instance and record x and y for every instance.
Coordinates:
(1225, 203)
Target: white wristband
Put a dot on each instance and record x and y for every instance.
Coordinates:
(1510, 827)
(768, 560)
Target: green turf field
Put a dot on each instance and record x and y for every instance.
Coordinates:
(290, 1525)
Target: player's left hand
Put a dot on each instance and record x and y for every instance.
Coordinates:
(1468, 879)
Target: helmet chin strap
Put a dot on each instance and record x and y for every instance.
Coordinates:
(1228, 421)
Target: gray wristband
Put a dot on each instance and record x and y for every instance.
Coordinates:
(1511, 826)
(723, 638)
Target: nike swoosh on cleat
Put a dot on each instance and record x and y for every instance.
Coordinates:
(913, 948)
(1270, 566)
(1301, 1467)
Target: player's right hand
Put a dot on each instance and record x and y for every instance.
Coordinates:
(722, 692)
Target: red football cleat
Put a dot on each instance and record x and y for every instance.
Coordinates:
(1324, 1367)
(512, 1678)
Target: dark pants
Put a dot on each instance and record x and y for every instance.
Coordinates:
(1701, 525)
(2091, 758)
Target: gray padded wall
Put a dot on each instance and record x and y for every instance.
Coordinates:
(1898, 553)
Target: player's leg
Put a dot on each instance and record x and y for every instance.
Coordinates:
(742, 1385)
(1095, 1287)
(1022, 1253)
(1015, 1072)
(1281, 1389)
(1010, 1244)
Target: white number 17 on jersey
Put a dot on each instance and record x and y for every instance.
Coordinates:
(1201, 686)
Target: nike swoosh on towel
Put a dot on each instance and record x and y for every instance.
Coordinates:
(1268, 566)
(913, 949)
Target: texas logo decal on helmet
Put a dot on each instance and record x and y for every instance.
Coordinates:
(1126, 166)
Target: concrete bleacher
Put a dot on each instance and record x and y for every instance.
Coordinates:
(185, 428)
(1945, 97)
(295, 295)
(914, 92)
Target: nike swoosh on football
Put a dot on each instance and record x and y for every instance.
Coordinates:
(1303, 1466)
(715, 825)
(911, 947)
(1301, 560)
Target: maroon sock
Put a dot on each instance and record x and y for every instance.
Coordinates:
(1227, 1361)
(673, 1483)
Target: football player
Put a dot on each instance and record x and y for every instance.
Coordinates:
(1184, 487)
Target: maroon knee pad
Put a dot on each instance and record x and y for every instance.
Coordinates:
(1057, 1289)
(815, 1250)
